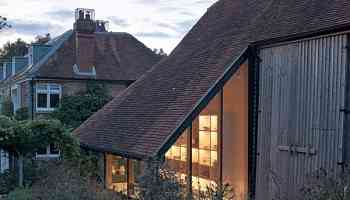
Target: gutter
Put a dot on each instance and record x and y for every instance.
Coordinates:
(203, 102)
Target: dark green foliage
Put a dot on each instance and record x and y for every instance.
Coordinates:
(22, 114)
(74, 110)
(158, 183)
(326, 185)
(8, 181)
(10, 49)
(7, 107)
(24, 193)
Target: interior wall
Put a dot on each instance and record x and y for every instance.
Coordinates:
(235, 131)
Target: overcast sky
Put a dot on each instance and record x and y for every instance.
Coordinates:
(157, 23)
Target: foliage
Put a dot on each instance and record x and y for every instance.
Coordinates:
(158, 183)
(325, 185)
(63, 181)
(4, 23)
(8, 181)
(10, 49)
(74, 110)
(23, 193)
(7, 107)
(217, 192)
(22, 114)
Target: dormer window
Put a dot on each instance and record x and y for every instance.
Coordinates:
(47, 97)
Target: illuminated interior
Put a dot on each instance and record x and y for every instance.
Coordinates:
(218, 139)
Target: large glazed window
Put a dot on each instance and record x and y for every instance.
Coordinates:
(117, 173)
(205, 147)
(235, 131)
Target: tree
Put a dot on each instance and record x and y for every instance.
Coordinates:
(10, 49)
(75, 109)
(24, 138)
(4, 23)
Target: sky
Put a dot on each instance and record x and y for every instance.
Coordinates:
(156, 23)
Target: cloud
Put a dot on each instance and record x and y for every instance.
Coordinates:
(119, 21)
(156, 34)
(61, 14)
(185, 26)
(31, 27)
(148, 1)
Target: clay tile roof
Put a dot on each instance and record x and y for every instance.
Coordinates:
(119, 56)
(141, 120)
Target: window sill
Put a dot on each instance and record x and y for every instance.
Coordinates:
(47, 156)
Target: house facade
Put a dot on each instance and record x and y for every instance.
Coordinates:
(256, 95)
(65, 65)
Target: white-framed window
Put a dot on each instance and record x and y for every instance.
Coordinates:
(50, 151)
(47, 97)
(16, 97)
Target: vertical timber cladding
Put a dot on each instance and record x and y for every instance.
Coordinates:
(302, 95)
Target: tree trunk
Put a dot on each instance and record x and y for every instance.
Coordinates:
(20, 170)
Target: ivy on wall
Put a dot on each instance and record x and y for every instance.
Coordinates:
(75, 109)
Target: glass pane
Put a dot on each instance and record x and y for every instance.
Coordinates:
(235, 131)
(42, 100)
(54, 88)
(176, 157)
(116, 173)
(41, 87)
(54, 100)
(134, 174)
(54, 149)
(205, 152)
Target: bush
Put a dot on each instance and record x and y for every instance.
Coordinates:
(74, 110)
(8, 182)
(326, 185)
(63, 181)
(22, 114)
(7, 107)
(159, 183)
(20, 194)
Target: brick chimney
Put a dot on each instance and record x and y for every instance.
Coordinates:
(84, 27)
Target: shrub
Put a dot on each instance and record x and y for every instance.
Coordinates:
(74, 110)
(158, 183)
(63, 181)
(22, 114)
(326, 185)
(20, 194)
(7, 107)
(8, 181)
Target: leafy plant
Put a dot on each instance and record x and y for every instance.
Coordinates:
(7, 107)
(22, 193)
(22, 114)
(326, 185)
(24, 138)
(158, 183)
(74, 110)
(8, 181)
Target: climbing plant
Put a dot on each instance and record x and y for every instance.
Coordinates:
(75, 109)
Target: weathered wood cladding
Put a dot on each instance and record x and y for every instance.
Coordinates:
(301, 113)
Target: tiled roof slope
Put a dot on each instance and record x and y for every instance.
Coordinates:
(119, 56)
(140, 120)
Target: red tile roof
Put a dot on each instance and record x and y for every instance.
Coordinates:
(119, 56)
(138, 122)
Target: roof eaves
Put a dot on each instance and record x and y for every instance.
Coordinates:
(115, 152)
(203, 102)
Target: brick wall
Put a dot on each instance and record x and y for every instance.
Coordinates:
(71, 87)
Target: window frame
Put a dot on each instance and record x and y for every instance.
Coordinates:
(49, 90)
(48, 154)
